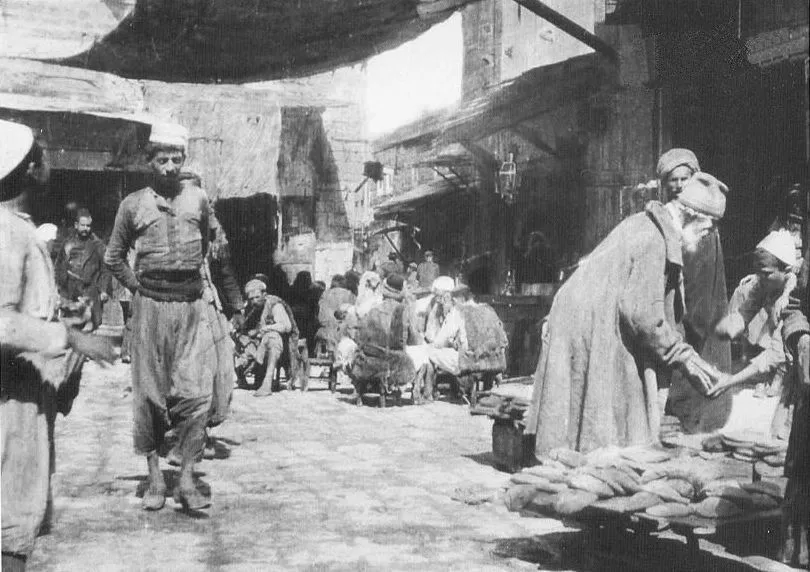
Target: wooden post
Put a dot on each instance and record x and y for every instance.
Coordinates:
(570, 27)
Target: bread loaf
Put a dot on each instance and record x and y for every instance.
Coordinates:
(572, 501)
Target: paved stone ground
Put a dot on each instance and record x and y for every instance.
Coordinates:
(307, 481)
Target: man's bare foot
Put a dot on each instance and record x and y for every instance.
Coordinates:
(154, 498)
(191, 498)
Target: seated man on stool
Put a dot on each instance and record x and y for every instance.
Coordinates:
(443, 350)
(263, 334)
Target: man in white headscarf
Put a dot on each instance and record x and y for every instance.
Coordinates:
(612, 329)
(756, 311)
(706, 302)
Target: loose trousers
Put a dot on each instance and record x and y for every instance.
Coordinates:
(173, 367)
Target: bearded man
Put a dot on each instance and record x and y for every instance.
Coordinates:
(80, 270)
(706, 303)
(174, 360)
(612, 329)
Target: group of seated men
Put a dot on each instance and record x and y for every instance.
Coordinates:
(389, 335)
(398, 335)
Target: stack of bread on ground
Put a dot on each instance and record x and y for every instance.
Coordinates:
(660, 483)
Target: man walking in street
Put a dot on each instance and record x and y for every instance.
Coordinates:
(173, 356)
(80, 270)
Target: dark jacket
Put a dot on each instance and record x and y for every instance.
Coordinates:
(80, 269)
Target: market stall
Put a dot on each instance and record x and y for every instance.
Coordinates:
(724, 487)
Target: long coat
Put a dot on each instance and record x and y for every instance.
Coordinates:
(611, 332)
(706, 300)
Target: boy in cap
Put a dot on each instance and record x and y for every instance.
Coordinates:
(612, 329)
(168, 225)
(756, 310)
(39, 379)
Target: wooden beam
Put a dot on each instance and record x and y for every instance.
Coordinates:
(570, 27)
(486, 162)
(534, 93)
(533, 138)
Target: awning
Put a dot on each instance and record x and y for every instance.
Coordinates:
(419, 196)
(213, 41)
(533, 93)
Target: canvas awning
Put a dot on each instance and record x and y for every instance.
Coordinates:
(419, 196)
(213, 41)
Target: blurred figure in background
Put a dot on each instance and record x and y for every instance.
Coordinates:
(80, 270)
(332, 300)
(390, 266)
(427, 271)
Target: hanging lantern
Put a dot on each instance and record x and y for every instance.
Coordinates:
(508, 180)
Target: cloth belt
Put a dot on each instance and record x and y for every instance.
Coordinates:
(171, 286)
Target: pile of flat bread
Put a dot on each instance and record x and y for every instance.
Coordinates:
(752, 446)
(661, 483)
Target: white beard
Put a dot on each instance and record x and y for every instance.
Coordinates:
(690, 241)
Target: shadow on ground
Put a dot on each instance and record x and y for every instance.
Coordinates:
(625, 552)
(555, 551)
(486, 458)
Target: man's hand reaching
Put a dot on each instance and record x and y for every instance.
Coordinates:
(97, 348)
(700, 374)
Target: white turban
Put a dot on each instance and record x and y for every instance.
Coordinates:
(255, 285)
(17, 141)
(47, 232)
(673, 159)
(780, 244)
(169, 134)
(443, 284)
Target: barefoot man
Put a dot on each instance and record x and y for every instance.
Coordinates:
(173, 357)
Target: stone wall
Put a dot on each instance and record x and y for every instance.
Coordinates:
(323, 148)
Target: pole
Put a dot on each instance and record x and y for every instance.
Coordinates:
(570, 27)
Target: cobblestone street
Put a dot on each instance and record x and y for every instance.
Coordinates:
(306, 481)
